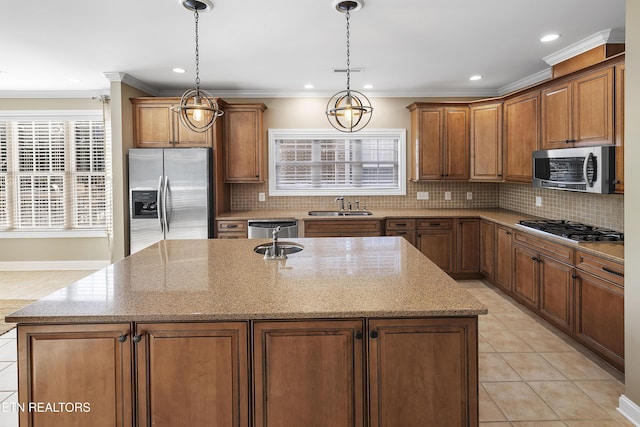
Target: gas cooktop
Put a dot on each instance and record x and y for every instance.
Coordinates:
(574, 231)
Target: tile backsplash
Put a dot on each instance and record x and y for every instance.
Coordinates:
(601, 210)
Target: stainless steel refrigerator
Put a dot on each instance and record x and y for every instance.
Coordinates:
(170, 195)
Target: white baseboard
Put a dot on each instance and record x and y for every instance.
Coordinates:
(630, 410)
(53, 265)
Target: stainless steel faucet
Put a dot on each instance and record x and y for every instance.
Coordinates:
(341, 200)
(274, 248)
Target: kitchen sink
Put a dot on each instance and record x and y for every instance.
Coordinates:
(340, 213)
(285, 248)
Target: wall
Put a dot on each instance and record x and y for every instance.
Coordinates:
(632, 207)
(47, 252)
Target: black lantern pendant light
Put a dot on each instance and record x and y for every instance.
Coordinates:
(198, 110)
(349, 110)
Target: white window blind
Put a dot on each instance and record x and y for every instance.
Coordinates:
(319, 162)
(52, 174)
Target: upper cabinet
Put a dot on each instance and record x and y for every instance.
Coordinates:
(243, 146)
(619, 124)
(486, 142)
(579, 112)
(439, 142)
(521, 135)
(156, 126)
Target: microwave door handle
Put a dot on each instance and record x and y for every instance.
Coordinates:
(159, 203)
(585, 167)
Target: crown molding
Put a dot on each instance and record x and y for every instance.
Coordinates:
(531, 80)
(54, 94)
(601, 37)
(114, 76)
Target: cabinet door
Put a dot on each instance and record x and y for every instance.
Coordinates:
(243, 145)
(438, 246)
(193, 374)
(423, 372)
(521, 136)
(619, 127)
(487, 249)
(486, 143)
(456, 143)
(593, 108)
(430, 145)
(556, 116)
(89, 364)
(410, 235)
(600, 316)
(308, 373)
(152, 125)
(525, 276)
(556, 292)
(504, 238)
(468, 246)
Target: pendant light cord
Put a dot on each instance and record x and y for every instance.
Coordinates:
(348, 46)
(196, 14)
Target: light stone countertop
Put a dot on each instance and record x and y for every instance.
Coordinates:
(611, 251)
(220, 279)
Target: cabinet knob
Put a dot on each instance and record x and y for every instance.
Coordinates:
(508, 233)
(137, 338)
(122, 337)
(359, 335)
(373, 334)
(574, 276)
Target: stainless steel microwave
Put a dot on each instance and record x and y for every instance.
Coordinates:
(586, 169)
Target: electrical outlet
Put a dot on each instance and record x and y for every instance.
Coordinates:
(469, 195)
(423, 195)
(447, 195)
(538, 201)
(261, 197)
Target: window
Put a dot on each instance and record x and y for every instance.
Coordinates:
(53, 173)
(321, 162)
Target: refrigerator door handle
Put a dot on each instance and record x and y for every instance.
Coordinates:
(159, 204)
(164, 204)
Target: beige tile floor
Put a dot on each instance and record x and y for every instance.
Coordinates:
(530, 373)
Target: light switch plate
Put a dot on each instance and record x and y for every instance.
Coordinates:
(538, 201)
(261, 197)
(423, 195)
(447, 195)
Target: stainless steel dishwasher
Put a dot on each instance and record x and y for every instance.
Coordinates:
(263, 228)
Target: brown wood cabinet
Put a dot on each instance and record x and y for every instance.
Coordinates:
(192, 374)
(439, 142)
(579, 111)
(486, 142)
(156, 126)
(88, 364)
(405, 227)
(619, 127)
(401, 397)
(488, 249)
(599, 301)
(435, 237)
(309, 373)
(243, 147)
(521, 135)
(504, 263)
(468, 247)
(343, 228)
(231, 229)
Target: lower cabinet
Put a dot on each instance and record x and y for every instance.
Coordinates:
(192, 374)
(504, 262)
(343, 228)
(488, 250)
(435, 240)
(468, 247)
(83, 371)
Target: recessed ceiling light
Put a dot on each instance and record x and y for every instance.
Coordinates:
(179, 70)
(367, 86)
(72, 80)
(309, 86)
(549, 38)
(475, 77)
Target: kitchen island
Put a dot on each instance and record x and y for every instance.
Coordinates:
(347, 332)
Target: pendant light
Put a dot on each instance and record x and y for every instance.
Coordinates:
(198, 110)
(348, 110)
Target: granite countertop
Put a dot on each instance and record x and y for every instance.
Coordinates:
(611, 251)
(220, 279)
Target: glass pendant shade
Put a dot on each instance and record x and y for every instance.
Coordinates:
(198, 110)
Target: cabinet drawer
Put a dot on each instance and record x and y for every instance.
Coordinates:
(555, 250)
(235, 226)
(600, 267)
(435, 224)
(344, 227)
(401, 224)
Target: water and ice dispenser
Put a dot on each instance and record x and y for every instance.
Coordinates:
(144, 204)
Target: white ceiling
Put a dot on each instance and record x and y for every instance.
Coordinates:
(264, 48)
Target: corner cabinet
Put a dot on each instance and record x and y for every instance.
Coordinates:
(486, 142)
(521, 135)
(243, 146)
(439, 142)
(155, 125)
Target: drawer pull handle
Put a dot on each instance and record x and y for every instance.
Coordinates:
(231, 226)
(434, 224)
(401, 225)
(617, 273)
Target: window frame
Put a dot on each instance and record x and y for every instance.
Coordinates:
(398, 134)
